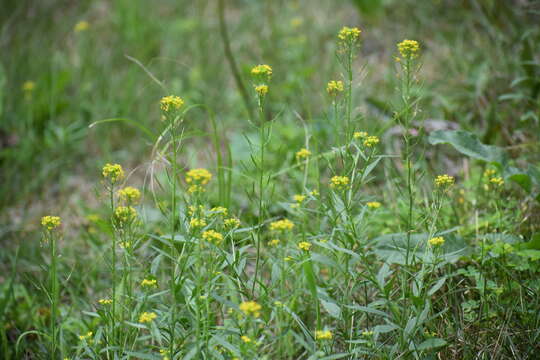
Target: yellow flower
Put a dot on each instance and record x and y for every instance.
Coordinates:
(436, 241)
(262, 72)
(198, 176)
(497, 181)
(171, 102)
(323, 335)
(303, 154)
(149, 283)
(81, 26)
(164, 354)
(281, 225)
(105, 301)
(339, 182)
(86, 336)
(125, 214)
(212, 236)
(261, 90)
(287, 258)
(367, 333)
(251, 308)
(373, 204)
(409, 49)
(349, 35)
(246, 339)
(333, 88)
(28, 86)
(360, 135)
(299, 198)
(304, 245)
(51, 222)
(489, 173)
(231, 223)
(197, 223)
(130, 195)
(444, 180)
(113, 172)
(370, 141)
(219, 210)
(274, 242)
(314, 193)
(147, 317)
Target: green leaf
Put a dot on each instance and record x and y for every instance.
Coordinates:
(432, 343)
(331, 308)
(468, 144)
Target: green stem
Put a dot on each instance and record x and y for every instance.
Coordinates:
(173, 248)
(54, 296)
(261, 180)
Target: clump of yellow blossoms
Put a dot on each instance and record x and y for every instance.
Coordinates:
(197, 179)
(262, 72)
(299, 199)
(360, 135)
(246, 339)
(251, 308)
(339, 182)
(149, 283)
(497, 181)
(130, 195)
(81, 26)
(323, 335)
(212, 236)
(28, 86)
(197, 223)
(171, 102)
(436, 241)
(113, 172)
(282, 225)
(333, 88)
(219, 210)
(302, 154)
(50, 222)
(231, 223)
(371, 141)
(444, 180)
(304, 245)
(147, 317)
(86, 336)
(489, 173)
(373, 204)
(261, 90)
(125, 214)
(274, 242)
(409, 49)
(349, 35)
(105, 301)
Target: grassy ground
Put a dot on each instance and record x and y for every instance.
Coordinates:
(381, 259)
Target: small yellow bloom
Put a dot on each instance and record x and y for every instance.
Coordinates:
(274, 242)
(299, 198)
(171, 102)
(51, 222)
(360, 135)
(489, 173)
(81, 26)
(86, 336)
(197, 223)
(287, 258)
(367, 333)
(198, 176)
(497, 181)
(28, 86)
(436, 241)
(147, 317)
(444, 180)
(231, 223)
(212, 236)
(246, 339)
(149, 283)
(219, 210)
(373, 204)
(251, 308)
(304, 245)
(261, 90)
(339, 182)
(409, 49)
(296, 21)
(371, 141)
(105, 301)
(323, 335)
(349, 35)
(113, 172)
(314, 193)
(130, 195)
(303, 154)
(281, 225)
(125, 214)
(262, 72)
(333, 88)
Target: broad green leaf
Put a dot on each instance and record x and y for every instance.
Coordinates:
(432, 343)
(331, 308)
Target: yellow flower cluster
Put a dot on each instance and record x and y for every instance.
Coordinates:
(251, 308)
(212, 236)
(171, 102)
(281, 225)
(299, 198)
(198, 176)
(349, 35)
(197, 223)
(86, 336)
(231, 223)
(444, 180)
(113, 172)
(50, 222)
(360, 135)
(263, 72)
(409, 49)
(436, 241)
(302, 154)
(149, 283)
(125, 214)
(147, 317)
(323, 335)
(371, 141)
(497, 181)
(261, 90)
(489, 173)
(304, 245)
(373, 204)
(219, 210)
(81, 26)
(130, 195)
(105, 301)
(274, 242)
(246, 339)
(333, 88)
(28, 86)
(339, 182)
